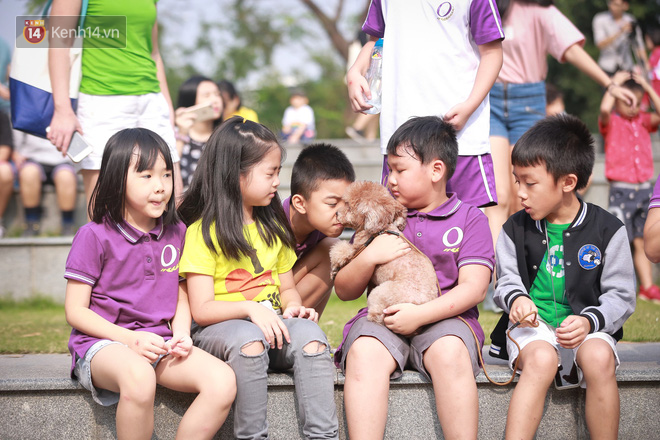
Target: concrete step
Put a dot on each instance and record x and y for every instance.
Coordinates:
(38, 400)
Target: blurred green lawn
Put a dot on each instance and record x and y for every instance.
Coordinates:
(37, 325)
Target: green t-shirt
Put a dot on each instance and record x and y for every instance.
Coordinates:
(127, 71)
(551, 274)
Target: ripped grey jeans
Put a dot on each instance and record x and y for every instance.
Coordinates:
(313, 374)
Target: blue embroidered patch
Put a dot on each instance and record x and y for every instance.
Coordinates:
(589, 256)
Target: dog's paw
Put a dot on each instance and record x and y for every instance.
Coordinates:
(340, 255)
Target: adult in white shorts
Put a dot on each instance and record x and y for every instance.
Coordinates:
(121, 87)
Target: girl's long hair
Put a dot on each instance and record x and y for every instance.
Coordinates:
(214, 195)
(108, 197)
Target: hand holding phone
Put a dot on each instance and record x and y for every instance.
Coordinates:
(202, 112)
(78, 148)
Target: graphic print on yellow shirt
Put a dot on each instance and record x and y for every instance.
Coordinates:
(254, 277)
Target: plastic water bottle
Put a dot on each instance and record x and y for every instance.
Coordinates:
(374, 78)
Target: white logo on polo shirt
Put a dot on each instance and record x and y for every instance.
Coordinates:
(173, 256)
(459, 237)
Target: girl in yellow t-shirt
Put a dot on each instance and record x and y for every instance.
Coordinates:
(237, 259)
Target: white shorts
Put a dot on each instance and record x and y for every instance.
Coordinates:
(101, 116)
(545, 332)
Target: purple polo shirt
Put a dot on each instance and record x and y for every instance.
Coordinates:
(453, 235)
(655, 198)
(312, 239)
(134, 276)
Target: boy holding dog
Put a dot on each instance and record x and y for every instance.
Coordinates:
(429, 338)
(319, 178)
(565, 273)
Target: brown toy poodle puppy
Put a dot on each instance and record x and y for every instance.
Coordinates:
(370, 209)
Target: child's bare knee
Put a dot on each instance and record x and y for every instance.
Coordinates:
(253, 348)
(314, 347)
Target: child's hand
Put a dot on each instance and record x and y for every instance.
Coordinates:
(385, 248)
(639, 79)
(149, 345)
(572, 332)
(298, 311)
(179, 346)
(520, 308)
(402, 318)
(624, 94)
(270, 324)
(458, 115)
(620, 77)
(358, 88)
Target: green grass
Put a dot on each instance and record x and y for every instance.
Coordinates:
(37, 325)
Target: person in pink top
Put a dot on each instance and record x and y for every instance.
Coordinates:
(629, 167)
(533, 29)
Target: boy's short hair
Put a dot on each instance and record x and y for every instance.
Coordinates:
(562, 143)
(317, 163)
(633, 86)
(430, 138)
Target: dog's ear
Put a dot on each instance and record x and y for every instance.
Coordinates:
(375, 219)
(400, 217)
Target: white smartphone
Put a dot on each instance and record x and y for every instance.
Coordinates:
(78, 148)
(203, 112)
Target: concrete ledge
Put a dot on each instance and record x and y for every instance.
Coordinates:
(38, 400)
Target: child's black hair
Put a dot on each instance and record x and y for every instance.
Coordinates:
(317, 163)
(226, 87)
(633, 86)
(108, 197)
(429, 138)
(653, 33)
(188, 90)
(214, 195)
(562, 143)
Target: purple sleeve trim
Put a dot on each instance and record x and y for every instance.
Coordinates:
(476, 260)
(485, 22)
(374, 24)
(71, 274)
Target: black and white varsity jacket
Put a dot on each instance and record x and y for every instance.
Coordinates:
(599, 274)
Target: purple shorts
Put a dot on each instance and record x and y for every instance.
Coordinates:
(473, 180)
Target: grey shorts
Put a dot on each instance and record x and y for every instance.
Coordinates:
(409, 352)
(628, 202)
(83, 371)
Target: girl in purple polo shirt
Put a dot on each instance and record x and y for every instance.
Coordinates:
(238, 261)
(131, 320)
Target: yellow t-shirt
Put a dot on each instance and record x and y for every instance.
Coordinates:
(254, 278)
(247, 113)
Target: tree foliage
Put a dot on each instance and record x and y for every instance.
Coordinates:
(242, 40)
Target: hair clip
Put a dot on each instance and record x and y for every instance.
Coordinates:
(244, 119)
